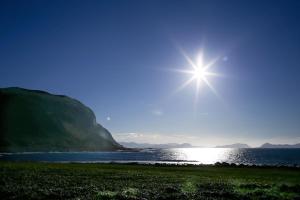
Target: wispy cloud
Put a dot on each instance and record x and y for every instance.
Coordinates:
(157, 112)
(142, 137)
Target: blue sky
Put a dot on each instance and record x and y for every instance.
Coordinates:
(116, 57)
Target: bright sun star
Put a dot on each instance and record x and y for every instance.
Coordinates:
(200, 72)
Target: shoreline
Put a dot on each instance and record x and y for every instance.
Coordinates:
(156, 164)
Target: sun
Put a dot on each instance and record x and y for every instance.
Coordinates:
(200, 72)
(198, 68)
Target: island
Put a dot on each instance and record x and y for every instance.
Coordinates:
(280, 146)
(236, 145)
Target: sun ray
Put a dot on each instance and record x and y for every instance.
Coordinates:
(211, 87)
(200, 60)
(200, 73)
(197, 93)
(211, 63)
(189, 60)
(213, 74)
(183, 71)
(185, 84)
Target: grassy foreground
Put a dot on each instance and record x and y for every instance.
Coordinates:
(120, 181)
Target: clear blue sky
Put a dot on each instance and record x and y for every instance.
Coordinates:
(115, 57)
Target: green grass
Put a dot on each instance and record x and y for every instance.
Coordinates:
(120, 181)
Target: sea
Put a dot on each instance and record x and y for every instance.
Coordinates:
(196, 156)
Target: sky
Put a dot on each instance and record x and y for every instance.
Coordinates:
(120, 59)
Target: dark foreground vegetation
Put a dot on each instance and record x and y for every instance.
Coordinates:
(120, 181)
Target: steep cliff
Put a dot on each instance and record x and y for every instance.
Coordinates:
(32, 120)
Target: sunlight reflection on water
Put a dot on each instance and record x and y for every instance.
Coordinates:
(255, 156)
(200, 155)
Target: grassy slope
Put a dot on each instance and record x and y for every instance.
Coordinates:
(116, 181)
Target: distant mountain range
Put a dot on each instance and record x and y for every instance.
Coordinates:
(33, 120)
(157, 146)
(187, 145)
(236, 145)
(268, 145)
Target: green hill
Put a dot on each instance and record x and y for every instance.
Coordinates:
(32, 120)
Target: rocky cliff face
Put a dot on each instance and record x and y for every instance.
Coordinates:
(33, 120)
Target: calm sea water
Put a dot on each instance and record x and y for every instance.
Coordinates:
(287, 157)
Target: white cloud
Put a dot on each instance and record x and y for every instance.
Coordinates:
(157, 112)
(128, 135)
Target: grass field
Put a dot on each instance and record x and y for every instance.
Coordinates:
(120, 181)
